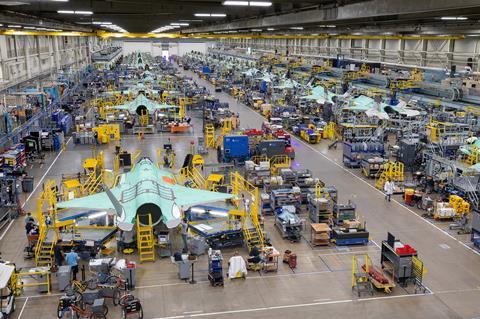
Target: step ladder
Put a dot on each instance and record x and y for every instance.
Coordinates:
(145, 240)
(209, 136)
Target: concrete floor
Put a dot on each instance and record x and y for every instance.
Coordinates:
(319, 287)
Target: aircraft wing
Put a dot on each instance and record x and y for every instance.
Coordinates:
(95, 201)
(188, 197)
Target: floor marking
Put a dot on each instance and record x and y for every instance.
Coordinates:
(373, 187)
(375, 243)
(34, 189)
(23, 308)
(325, 299)
(39, 296)
(312, 304)
(192, 312)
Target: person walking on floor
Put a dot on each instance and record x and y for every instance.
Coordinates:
(72, 261)
(388, 188)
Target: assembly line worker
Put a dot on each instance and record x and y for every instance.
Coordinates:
(57, 253)
(184, 233)
(388, 188)
(72, 261)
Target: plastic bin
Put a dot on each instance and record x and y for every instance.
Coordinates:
(27, 184)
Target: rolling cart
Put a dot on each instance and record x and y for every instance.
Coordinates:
(215, 269)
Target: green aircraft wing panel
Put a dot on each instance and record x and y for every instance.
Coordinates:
(187, 197)
(95, 201)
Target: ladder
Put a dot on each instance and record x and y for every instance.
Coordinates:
(145, 240)
(194, 176)
(209, 136)
(44, 250)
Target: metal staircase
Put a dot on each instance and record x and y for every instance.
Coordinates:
(44, 250)
(394, 171)
(93, 182)
(145, 240)
(193, 176)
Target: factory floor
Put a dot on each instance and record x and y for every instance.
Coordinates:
(321, 284)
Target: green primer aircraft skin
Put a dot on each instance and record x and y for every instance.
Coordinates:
(141, 102)
(146, 190)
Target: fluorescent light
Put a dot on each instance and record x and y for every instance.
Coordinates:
(101, 23)
(59, 0)
(202, 14)
(256, 30)
(14, 26)
(454, 18)
(296, 28)
(327, 26)
(196, 20)
(260, 3)
(31, 28)
(218, 15)
(84, 12)
(180, 23)
(235, 3)
(66, 11)
(270, 29)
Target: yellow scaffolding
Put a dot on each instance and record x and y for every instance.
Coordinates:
(253, 232)
(44, 249)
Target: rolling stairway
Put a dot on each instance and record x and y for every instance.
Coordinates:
(145, 240)
(394, 171)
(92, 184)
(44, 251)
(209, 136)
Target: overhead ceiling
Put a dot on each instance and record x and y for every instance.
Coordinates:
(142, 16)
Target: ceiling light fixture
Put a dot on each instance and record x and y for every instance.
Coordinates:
(202, 14)
(101, 23)
(270, 29)
(454, 18)
(296, 28)
(59, 0)
(14, 26)
(221, 15)
(180, 23)
(235, 3)
(256, 30)
(74, 12)
(327, 26)
(260, 3)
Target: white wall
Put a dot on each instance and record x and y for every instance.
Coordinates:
(155, 48)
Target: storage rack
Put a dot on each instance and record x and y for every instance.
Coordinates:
(400, 266)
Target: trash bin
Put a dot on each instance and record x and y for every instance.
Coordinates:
(27, 184)
(63, 277)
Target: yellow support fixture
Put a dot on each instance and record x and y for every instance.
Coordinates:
(145, 240)
(278, 162)
(209, 136)
(393, 171)
(143, 118)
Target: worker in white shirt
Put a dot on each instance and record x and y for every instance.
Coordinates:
(388, 188)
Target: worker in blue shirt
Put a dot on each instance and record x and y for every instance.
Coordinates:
(72, 260)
